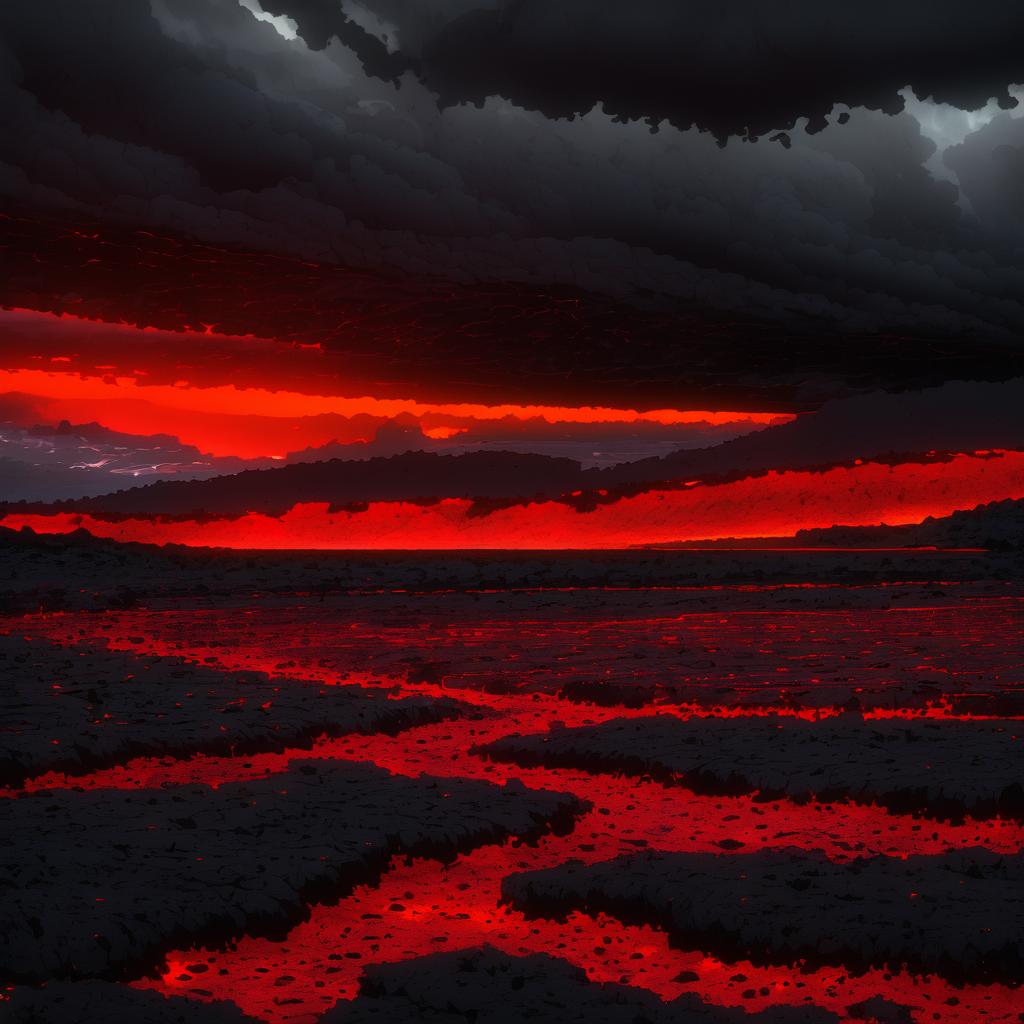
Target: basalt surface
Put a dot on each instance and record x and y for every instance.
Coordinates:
(104, 880)
(931, 767)
(485, 986)
(955, 914)
(85, 1002)
(76, 709)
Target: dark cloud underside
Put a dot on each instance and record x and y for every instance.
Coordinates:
(729, 66)
(192, 117)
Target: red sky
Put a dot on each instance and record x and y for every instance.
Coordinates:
(244, 396)
(249, 397)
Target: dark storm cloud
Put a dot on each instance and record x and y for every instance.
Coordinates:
(320, 21)
(989, 165)
(728, 66)
(198, 119)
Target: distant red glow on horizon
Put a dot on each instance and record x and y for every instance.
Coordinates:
(775, 504)
(252, 397)
(271, 402)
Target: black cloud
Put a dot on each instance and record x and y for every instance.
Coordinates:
(320, 21)
(728, 66)
(193, 117)
(990, 167)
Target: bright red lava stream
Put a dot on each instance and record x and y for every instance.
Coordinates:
(421, 906)
(775, 504)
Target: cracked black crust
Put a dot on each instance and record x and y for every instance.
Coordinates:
(101, 883)
(940, 769)
(955, 914)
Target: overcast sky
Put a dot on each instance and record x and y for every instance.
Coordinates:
(630, 149)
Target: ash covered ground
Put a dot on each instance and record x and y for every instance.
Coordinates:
(685, 787)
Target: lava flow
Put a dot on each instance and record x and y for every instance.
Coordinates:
(423, 906)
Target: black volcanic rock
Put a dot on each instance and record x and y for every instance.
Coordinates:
(104, 1002)
(955, 914)
(485, 986)
(101, 881)
(880, 1010)
(994, 526)
(51, 572)
(75, 709)
(997, 526)
(931, 767)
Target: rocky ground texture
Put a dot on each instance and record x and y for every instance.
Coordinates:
(932, 767)
(664, 787)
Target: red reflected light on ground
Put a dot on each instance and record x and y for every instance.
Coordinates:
(422, 907)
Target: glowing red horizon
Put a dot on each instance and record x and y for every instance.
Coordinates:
(235, 395)
(776, 504)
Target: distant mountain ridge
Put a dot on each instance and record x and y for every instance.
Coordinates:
(411, 476)
(962, 416)
(996, 526)
(915, 427)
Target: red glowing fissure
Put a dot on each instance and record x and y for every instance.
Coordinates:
(421, 906)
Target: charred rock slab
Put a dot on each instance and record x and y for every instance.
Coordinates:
(98, 882)
(78, 709)
(931, 767)
(957, 914)
(485, 986)
(90, 1002)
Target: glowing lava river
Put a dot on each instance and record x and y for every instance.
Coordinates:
(922, 652)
